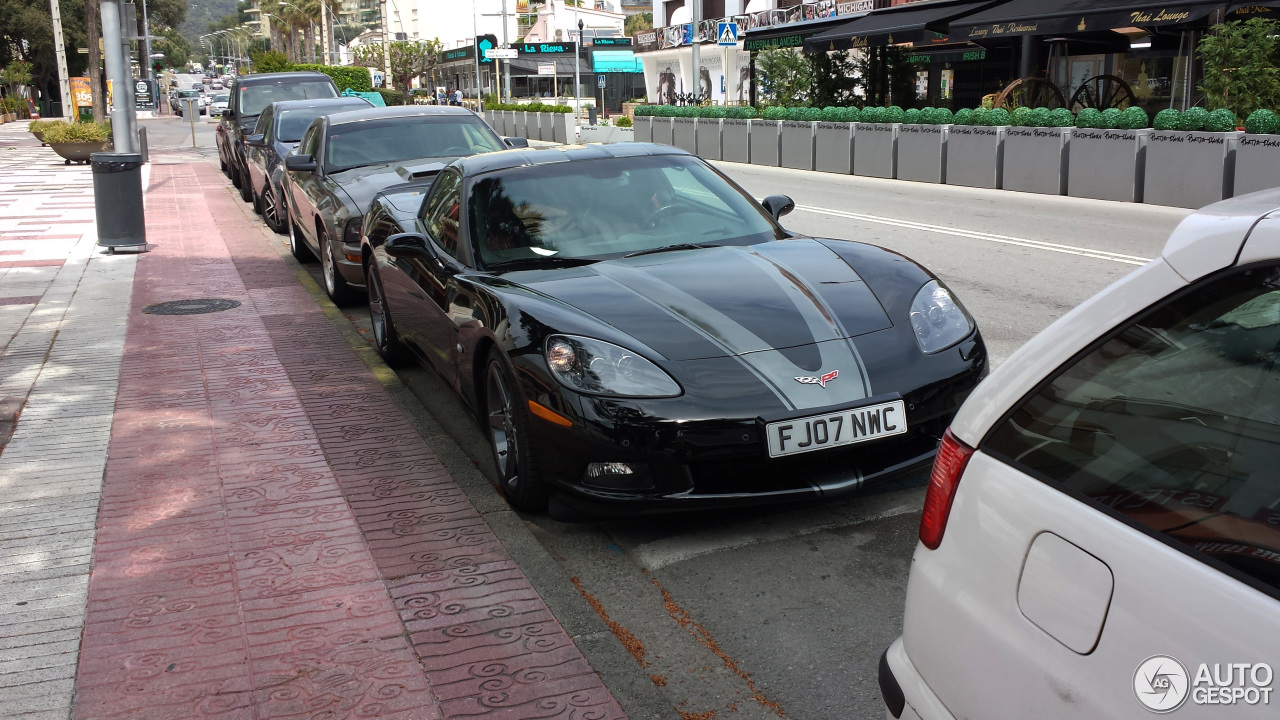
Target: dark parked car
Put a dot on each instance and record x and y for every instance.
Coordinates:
(250, 95)
(279, 129)
(636, 333)
(346, 158)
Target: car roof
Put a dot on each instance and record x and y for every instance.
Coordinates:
(272, 78)
(522, 157)
(382, 113)
(281, 105)
(1210, 238)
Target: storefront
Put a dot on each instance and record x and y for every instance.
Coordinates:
(617, 68)
(666, 55)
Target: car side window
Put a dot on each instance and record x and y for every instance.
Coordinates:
(444, 212)
(311, 141)
(1173, 423)
(264, 123)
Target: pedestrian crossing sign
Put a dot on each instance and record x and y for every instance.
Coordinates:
(727, 33)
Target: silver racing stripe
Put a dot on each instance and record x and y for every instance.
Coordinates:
(771, 367)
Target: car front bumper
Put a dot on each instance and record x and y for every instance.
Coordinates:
(907, 696)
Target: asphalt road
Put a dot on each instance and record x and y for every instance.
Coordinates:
(759, 613)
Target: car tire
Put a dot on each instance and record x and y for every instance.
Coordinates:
(236, 180)
(385, 338)
(298, 244)
(257, 204)
(246, 187)
(271, 211)
(507, 422)
(335, 286)
(222, 164)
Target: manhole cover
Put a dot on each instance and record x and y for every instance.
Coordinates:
(191, 307)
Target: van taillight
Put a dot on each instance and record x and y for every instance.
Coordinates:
(948, 466)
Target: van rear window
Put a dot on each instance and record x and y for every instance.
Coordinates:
(1173, 422)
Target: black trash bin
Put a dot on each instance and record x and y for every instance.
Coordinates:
(117, 199)
(591, 114)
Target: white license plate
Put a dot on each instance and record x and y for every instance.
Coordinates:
(845, 427)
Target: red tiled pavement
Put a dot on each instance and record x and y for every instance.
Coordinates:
(275, 539)
(30, 263)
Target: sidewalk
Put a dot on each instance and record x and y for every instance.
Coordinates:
(274, 538)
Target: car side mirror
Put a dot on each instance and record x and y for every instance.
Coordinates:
(300, 163)
(515, 142)
(778, 205)
(256, 140)
(408, 245)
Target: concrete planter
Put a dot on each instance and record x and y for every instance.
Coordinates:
(1108, 164)
(562, 129)
(766, 142)
(491, 120)
(833, 147)
(606, 134)
(684, 134)
(797, 144)
(709, 138)
(662, 130)
(1257, 163)
(922, 153)
(875, 150)
(975, 156)
(1035, 160)
(521, 123)
(644, 129)
(735, 140)
(545, 131)
(1190, 169)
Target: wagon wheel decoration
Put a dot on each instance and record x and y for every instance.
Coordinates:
(1103, 92)
(1030, 92)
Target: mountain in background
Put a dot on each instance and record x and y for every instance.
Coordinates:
(202, 12)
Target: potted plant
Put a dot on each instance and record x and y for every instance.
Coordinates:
(766, 137)
(1035, 150)
(38, 127)
(1258, 155)
(642, 116)
(1107, 156)
(833, 140)
(875, 141)
(922, 145)
(735, 134)
(797, 137)
(77, 141)
(562, 120)
(975, 148)
(1191, 158)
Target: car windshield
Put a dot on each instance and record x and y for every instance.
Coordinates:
(610, 206)
(188, 93)
(255, 98)
(388, 140)
(223, 98)
(292, 123)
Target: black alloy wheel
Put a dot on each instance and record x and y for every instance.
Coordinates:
(385, 338)
(297, 243)
(271, 211)
(508, 424)
(335, 286)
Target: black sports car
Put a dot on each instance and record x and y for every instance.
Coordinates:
(636, 333)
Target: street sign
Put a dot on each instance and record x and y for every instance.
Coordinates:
(546, 68)
(501, 54)
(600, 81)
(727, 34)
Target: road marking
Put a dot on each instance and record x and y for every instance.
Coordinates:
(973, 234)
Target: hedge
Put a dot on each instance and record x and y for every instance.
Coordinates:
(530, 107)
(391, 97)
(1221, 120)
(737, 112)
(346, 77)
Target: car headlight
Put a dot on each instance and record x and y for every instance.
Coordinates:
(596, 367)
(351, 233)
(939, 321)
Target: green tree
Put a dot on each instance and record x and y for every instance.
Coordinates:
(636, 23)
(409, 59)
(833, 78)
(1240, 66)
(177, 52)
(15, 75)
(784, 77)
(266, 61)
(26, 33)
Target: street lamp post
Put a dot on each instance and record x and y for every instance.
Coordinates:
(386, 47)
(577, 53)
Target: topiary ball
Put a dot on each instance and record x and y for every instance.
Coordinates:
(1135, 118)
(1089, 118)
(812, 114)
(1021, 117)
(895, 114)
(1112, 119)
(912, 117)
(774, 112)
(1167, 119)
(943, 116)
(850, 114)
(1061, 117)
(998, 117)
(830, 113)
(1194, 119)
(981, 117)
(1041, 117)
(1262, 122)
(1221, 120)
(963, 116)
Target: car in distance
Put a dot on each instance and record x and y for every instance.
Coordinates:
(250, 95)
(1101, 532)
(278, 131)
(177, 101)
(636, 333)
(344, 159)
(217, 106)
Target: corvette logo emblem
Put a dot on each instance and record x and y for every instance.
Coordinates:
(823, 380)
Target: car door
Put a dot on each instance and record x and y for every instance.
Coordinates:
(303, 184)
(259, 156)
(434, 285)
(1113, 546)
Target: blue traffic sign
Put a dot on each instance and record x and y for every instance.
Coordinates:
(727, 34)
(600, 81)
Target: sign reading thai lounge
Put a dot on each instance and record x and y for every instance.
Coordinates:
(1098, 21)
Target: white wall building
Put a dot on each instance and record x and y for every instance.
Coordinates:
(454, 22)
(558, 22)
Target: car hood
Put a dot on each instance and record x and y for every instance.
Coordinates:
(362, 183)
(786, 296)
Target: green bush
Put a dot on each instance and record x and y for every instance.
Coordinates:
(346, 77)
(895, 114)
(912, 117)
(36, 126)
(981, 117)
(78, 132)
(831, 113)
(943, 116)
(645, 110)
(874, 114)
(1089, 118)
(812, 114)
(998, 117)
(963, 116)
(795, 113)
(1112, 119)
(1221, 120)
(1194, 119)
(1135, 118)
(1262, 122)
(774, 112)
(391, 97)
(1041, 117)
(1167, 119)
(624, 122)
(1061, 117)
(1021, 117)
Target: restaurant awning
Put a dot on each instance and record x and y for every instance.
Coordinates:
(1053, 17)
(792, 34)
(896, 25)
